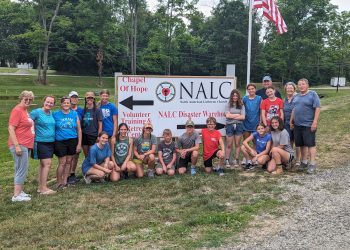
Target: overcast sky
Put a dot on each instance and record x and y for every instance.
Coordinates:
(206, 5)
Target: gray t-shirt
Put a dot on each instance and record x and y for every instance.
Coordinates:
(145, 144)
(234, 110)
(167, 151)
(90, 121)
(282, 138)
(304, 108)
(188, 141)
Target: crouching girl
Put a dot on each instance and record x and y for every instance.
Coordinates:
(97, 164)
(259, 155)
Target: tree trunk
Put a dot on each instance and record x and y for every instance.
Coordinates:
(39, 79)
(45, 63)
(99, 58)
(44, 55)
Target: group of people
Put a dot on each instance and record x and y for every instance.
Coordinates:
(274, 126)
(269, 125)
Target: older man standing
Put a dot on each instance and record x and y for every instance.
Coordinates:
(267, 82)
(304, 119)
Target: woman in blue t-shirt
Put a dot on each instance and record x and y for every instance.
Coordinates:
(259, 155)
(44, 144)
(110, 116)
(97, 164)
(68, 140)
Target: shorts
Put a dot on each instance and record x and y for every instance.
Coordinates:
(290, 132)
(88, 140)
(234, 129)
(304, 137)
(43, 150)
(160, 166)
(209, 162)
(138, 161)
(183, 162)
(66, 147)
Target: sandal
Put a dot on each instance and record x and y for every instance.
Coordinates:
(48, 192)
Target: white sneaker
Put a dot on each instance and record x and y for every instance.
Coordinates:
(20, 198)
(24, 194)
(244, 161)
(87, 179)
(227, 163)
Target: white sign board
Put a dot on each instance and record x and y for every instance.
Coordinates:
(167, 102)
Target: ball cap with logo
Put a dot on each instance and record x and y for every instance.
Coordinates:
(267, 78)
(189, 123)
(148, 125)
(73, 93)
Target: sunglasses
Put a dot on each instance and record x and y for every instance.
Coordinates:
(90, 98)
(28, 99)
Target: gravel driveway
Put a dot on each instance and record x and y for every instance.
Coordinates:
(320, 220)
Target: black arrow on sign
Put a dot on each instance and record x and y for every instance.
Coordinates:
(218, 126)
(130, 102)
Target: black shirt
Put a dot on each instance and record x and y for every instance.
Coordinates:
(262, 93)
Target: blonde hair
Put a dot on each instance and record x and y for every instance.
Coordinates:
(26, 93)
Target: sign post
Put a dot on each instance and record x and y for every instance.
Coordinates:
(169, 101)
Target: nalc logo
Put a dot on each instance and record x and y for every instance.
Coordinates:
(165, 91)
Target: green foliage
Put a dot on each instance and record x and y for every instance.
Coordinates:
(178, 39)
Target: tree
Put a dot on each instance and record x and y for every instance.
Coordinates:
(47, 13)
(299, 52)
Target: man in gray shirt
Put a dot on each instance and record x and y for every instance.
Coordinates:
(304, 119)
(187, 146)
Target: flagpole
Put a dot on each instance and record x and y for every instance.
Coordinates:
(249, 41)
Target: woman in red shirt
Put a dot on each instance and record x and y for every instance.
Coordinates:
(21, 141)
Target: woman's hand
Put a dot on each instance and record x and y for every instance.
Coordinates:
(18, 150)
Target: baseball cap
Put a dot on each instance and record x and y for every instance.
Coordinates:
(73, 93)
(90, 94)
(189, 123)
(148, 125)
(267, 78)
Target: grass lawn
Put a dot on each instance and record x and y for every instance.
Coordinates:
(168, 213)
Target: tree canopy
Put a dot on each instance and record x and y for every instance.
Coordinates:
(104, 36)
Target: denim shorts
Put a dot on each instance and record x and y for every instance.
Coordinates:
(234, 129)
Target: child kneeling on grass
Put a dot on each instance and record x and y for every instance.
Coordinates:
(213, 146)
(166, 154)
(97, 164)
(259, 155)
(144, 150)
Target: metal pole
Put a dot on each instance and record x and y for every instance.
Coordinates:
(249, 41)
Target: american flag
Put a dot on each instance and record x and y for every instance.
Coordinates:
(271, 12)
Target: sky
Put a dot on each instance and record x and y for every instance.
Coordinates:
(206, 5)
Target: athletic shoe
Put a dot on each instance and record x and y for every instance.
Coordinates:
(150, 173)
(303, 166)
(221, 172)
(311, 169)
(193, 171)
(126, 175)
(244, 161)
(249, 166)
(297, 164)
(24, 194)
(236, 163)
(87, 179)
(227, 163)
(72, 180)
(20, 198)
(264, 167)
